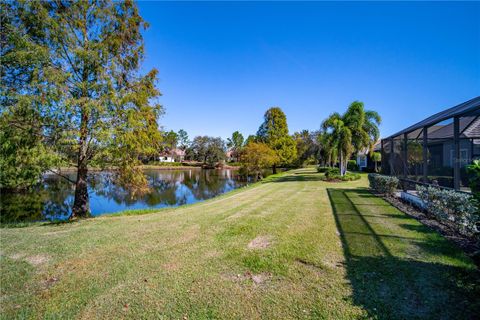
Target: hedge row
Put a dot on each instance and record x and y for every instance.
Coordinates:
(450, 205)
(383, 184)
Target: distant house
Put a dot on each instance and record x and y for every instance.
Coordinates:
(175, 155)
(229, 156)
(363, 157)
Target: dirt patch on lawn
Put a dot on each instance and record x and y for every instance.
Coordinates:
(37, 259)
(171, 266)
(260, 242)
(256, 278)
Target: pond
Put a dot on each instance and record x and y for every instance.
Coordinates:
(53, 198)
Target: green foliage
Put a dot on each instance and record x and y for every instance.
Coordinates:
(450, 205)
(321, 169)
(170, 140)
(306, 146)
(353, 131)
(77, 64)
(338, 136)
(376, 156)
(473, 170)
(274, 132)
(352, 165)
(332, 172)
(349, 176)
(251, 138)
(208, 150)
(383, 184)
(24, 155)
(235, 144)
(256, 157)
(183, 139)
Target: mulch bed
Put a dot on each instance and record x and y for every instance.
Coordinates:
(469, 245)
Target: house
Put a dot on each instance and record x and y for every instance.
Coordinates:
(230, 156)
(364, 161)
(175, 155)
(437, 149)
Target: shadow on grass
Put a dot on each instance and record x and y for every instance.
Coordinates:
(390, 286)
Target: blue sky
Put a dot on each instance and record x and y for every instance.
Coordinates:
(222, 64)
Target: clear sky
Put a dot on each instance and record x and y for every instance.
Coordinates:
(222, 64)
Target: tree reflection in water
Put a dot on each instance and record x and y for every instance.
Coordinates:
(53, 198)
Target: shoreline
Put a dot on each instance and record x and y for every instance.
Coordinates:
(150, 167)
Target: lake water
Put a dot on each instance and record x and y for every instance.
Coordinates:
(53, 198)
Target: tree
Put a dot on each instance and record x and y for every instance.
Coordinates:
(306, 146)
(339, 137)
(327, 151)
(24, 156)
(376, 158)
(353, 131)
(256, 157)
(363, 125)
(183, 139)
(251, 138)
(235, 143)
(274, 132)
(170, 140)
(208, 150)
(77, 64)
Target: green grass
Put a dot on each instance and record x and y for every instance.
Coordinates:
(333, 251)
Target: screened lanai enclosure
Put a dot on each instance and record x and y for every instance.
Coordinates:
(436, 150)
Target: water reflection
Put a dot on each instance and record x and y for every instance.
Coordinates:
(53, 198)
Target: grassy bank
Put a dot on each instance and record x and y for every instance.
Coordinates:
(291, 247)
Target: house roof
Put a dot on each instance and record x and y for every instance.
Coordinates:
(174, 152)
(470, 108)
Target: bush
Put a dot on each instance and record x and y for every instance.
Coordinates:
(352, 165)
(349, 176)
(332, 172)
(383, 184)
(473, 171)
(323, 169)
(458, 207)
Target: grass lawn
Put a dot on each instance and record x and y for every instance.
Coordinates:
(291, 247)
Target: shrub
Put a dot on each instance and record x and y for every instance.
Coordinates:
(352, 165)
(349, 176)
(332, 172)
(458, 207)
(323, 169)
(383, 184)
(473, 171)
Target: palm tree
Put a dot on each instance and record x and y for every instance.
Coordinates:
(339, 136)
(353, 131)
(363, 124)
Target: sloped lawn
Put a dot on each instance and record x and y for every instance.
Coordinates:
(291, 247)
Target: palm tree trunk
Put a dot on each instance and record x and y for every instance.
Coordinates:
(341, 163)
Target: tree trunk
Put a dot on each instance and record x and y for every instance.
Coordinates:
(375, 166)
(274, 169)
(81, 204)
(341, 164)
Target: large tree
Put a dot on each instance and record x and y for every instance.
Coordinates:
(77, 65)
(307, 147)
(274, 132)
(235, 144)
(256, 157)
(183, 139)
(208, 150)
